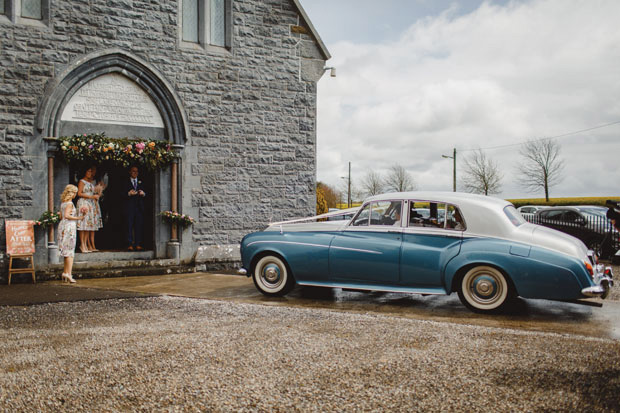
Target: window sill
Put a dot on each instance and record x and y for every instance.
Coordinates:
(42, 24)
(197, 47)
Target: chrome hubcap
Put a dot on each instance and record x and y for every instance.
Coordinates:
(484, 288)
(271, 273)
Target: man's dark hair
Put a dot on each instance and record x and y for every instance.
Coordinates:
(613, 211)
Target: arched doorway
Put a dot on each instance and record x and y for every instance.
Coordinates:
(115, 93)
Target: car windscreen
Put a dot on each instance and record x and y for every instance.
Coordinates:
(596, 212)
(514, 217)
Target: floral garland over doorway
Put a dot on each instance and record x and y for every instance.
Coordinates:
(101, 150)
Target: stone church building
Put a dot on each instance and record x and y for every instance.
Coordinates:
(230, 85)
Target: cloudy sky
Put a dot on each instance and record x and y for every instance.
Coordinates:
(417, 78)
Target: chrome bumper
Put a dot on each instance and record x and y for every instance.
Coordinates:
(242, 271)
(603, 278)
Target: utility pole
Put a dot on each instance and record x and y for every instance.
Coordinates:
(349, 203)
(453, 157)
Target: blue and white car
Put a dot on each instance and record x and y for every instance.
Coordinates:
(427, 243)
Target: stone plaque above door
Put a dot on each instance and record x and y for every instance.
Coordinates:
(112, 99)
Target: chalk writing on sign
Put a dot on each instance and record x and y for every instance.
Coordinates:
(19, 237)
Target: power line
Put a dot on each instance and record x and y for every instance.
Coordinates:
(541, 139)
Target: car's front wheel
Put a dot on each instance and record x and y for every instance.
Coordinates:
(272, 277)
(484, 289)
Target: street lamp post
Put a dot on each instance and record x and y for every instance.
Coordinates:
(453, 157)
(348, 186)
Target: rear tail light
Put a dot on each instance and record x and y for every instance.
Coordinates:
(589, 267)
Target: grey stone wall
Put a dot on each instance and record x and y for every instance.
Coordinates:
(251, 154)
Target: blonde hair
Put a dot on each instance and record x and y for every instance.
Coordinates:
(67, 194)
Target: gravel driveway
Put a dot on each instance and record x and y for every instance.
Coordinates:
(179, 354)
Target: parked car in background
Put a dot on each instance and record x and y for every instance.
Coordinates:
(589, 223)
(529, 210)
(477, 246)
(335, 214)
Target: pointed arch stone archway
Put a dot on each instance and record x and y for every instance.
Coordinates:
(49, 124)
(94, 65)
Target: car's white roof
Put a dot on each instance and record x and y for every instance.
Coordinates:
(485, 216)
(458, 198)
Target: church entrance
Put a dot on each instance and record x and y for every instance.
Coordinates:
(113, 235)
(115, 93)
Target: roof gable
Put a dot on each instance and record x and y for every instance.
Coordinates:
(313, 31)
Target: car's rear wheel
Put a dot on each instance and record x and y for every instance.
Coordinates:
(272, 277)
(484, 289)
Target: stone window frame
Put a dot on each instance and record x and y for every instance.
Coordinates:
(203, 28)
(12, 13)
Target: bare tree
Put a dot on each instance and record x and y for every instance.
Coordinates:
(542, 166)
(482, 175)
(399, 180)
(372, 183)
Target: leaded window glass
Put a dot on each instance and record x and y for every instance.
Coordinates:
(190, 20)
(32, 9)
(218, 22)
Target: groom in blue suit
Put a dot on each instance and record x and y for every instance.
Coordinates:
(134, 209)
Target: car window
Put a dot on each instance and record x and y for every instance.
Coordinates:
(571, 216)
(556, 214)
(454, 219)
(383, 213)
(362, 217)
(514, 217)
(427, 214)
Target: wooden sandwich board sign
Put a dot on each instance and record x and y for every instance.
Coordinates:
(20, 245)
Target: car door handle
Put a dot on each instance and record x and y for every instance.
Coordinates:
(394, 232)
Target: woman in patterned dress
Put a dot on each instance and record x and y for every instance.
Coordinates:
(89, 194)
(67, 230)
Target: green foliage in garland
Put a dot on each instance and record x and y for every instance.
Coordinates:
(47, 219)
(175, 217)
(100, 150)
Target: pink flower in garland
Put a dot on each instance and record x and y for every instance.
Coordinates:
(140, 147)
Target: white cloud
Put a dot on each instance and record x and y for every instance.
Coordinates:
(497, 76)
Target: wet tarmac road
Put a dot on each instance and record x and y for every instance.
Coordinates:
(531, 315)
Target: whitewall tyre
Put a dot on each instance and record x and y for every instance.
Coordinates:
(272, 277)
(484, 289)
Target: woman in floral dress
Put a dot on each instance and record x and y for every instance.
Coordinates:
(67, 229)
(89, 194)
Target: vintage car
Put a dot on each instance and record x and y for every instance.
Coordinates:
(528, 211)
(427, 243)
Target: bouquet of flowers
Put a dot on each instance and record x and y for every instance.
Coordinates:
(48, 218)
(84, 209)
(176, 218)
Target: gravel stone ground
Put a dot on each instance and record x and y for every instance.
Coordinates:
(178, 354)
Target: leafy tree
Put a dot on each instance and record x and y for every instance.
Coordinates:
(399, 180)
(330, 194)
(541, 166)
(482, 175)
(321, 203)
